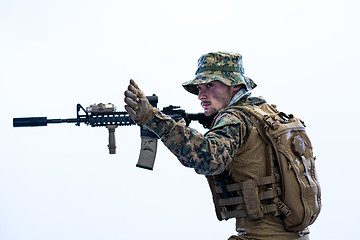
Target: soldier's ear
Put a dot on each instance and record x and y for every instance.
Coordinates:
(237, 88)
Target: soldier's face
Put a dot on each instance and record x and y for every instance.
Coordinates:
(215, 96)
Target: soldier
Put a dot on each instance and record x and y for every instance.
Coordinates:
(232, 151)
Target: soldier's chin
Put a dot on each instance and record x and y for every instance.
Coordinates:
(209, 113)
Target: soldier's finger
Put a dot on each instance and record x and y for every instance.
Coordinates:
(131, 112)
(141, 94)
(132, 82)
(131, 103)
(131, 88)
(130, 94)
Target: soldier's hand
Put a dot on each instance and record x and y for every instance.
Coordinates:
(137, 105)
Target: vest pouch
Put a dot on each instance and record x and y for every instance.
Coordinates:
(252, 200)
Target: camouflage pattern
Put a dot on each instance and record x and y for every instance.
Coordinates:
(222, 148)
(220, 66)
(208, 154)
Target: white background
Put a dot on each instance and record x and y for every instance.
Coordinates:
(59, 182)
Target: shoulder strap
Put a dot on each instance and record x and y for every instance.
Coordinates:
(258, 119)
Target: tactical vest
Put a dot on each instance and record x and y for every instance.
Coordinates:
(274, 172)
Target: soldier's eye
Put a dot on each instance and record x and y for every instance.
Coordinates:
(209, 85)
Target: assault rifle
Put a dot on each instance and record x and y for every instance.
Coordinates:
(105, 115)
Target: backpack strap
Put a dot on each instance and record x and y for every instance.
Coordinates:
(265, 122)
(259, 123)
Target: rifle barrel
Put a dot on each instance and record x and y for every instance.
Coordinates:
(40, 121)
(30, 122)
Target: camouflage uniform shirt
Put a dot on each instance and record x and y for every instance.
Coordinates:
(212, 152)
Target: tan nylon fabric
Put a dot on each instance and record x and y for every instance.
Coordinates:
(251, 164)
(301, 198)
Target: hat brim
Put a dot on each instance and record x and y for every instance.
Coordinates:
(228, 78)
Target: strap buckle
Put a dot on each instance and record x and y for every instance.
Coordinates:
(283, 207)
(271, 122)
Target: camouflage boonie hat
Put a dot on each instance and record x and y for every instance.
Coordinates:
(222, 66)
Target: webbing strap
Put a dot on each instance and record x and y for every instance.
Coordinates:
(260, 130)
(268, 180)
(259, 182)
(230, 187)
(234, 214)
(231, 201)
(269, 152)
(271, 208)
(255, 118)
(269, 194)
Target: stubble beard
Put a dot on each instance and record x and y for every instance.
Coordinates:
(224, 99)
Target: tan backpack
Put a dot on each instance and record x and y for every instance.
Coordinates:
(300, 200)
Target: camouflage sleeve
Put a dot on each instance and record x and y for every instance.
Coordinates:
(208, 154)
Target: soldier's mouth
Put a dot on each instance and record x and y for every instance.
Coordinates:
(205, 104)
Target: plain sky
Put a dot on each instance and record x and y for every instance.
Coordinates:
(59, 182)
